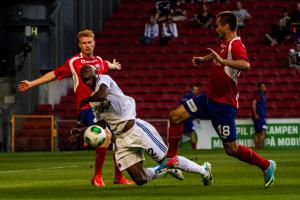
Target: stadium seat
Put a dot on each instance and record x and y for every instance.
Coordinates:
(167, 71)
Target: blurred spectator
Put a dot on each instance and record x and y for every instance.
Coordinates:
(151, 31)
(241, 14)
(188, 1)
(204, 18)
(178, 11)
(286, 19)
(163, 9)
(294, 56)
(259, 114)
(295, 22)
(278, 34)
(202, 1)
(168, 31)
(188, 126)
(206, 1)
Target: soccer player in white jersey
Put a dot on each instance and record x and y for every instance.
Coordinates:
(71, 68)
(133, 135)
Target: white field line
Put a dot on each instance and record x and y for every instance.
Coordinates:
(38, 169)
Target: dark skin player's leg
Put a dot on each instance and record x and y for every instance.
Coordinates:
(137, 173)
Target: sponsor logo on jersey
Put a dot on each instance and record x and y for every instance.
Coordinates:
(192, 106)
(88, 61)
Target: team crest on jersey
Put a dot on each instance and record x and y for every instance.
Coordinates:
(192, 106)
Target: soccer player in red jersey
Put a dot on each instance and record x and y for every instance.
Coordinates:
(220, 101)
(71, 68)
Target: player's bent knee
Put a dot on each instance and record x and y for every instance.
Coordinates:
(139, 180)
(107, 139)
(178, 115)
(174, 118)
(108, 133)
(230, 150)
(137, 173)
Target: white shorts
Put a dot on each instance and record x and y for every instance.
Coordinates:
(130, 146)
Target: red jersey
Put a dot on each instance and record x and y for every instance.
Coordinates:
(222, 85)
(72, 68)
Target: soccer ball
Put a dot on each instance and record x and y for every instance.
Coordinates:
(94, 136)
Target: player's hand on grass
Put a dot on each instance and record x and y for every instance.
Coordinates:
(24, 85)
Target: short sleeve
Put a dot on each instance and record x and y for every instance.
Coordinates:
(103, 68)
(63, 71)
(104, 79)
(239, 51)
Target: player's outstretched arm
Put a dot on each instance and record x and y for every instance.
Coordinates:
(114, 65)
(26, 85)
(198, 60)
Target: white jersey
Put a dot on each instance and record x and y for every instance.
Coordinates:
(118, 109)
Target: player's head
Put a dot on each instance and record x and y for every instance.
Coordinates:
(86, 42)
(88, 75)
(298, 6)
(226, 22)
(195, 89)
(284, 12)
(261, 86)
(238, 5)
(298, 46)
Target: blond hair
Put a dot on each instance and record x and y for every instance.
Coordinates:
(86, 33)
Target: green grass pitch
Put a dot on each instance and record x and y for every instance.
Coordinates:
(67, 175)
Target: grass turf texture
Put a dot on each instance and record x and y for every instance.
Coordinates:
(67, 175)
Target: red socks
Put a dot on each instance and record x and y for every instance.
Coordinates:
(118, 173)
(100, 157)
(194, 145)
(249, 156)
(175, 133)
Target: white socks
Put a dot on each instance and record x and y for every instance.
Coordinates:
(151, 173)
(184, 164)
(190, 166)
